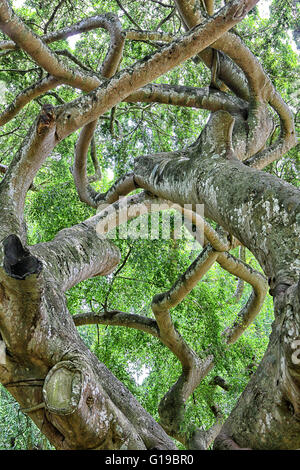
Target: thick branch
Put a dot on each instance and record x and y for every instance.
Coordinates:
(118, 318)
(126, 82)
(177, 95)
(240, 285)
(228, 72)
(11, 25)
(29, 158)
(138, 35)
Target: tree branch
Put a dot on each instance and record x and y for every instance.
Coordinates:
(27, 95)
(240, 285)
(11, 25)
(201, 440)
(261, 90)
(176, 95)
(74, 59)
(53, 15)
(125, 82)
(118, 318)
(141, 35)
(286, 140)
(108, 69)
(127, 14)
(29, 158)
(192, 14)
(87, 108)
(76, 254)
(204, 98)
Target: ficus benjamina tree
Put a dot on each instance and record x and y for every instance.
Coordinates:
(159, 105)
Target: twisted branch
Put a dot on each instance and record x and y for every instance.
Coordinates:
(259, 90)
(194, 369)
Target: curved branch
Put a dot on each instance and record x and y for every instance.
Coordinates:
(11, 25)
(29, 158)
(216, 241)
(261, 90)
(244, 272)
(23, 98)
(76, 254)
(125, 82)
(85, 191)
(171, 407)
(82, 26)
(118, 318)
(176, 95)
(162, 303)
(286, 140)
(108, 69)
(192, 14)
(240, 285)
(204, 98)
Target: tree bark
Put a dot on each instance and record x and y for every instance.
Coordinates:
(267, 414)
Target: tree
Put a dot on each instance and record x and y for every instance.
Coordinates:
(70, 395)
